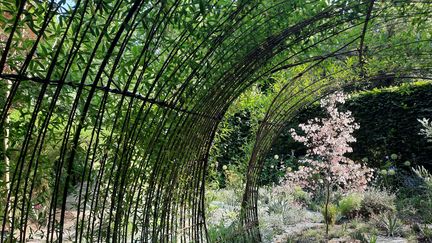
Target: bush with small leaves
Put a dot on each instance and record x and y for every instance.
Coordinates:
(300, 195)
(350, 205)
(377, 201)
(331, 215)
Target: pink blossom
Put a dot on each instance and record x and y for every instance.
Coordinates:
(328, 140)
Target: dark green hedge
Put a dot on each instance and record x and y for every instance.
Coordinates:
(388, 125)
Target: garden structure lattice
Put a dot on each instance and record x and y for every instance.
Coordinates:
(122, 100)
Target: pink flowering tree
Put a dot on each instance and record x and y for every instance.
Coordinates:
(325, 164)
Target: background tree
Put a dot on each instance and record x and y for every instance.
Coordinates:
(326, 165)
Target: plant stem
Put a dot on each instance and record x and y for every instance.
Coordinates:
(6, 144)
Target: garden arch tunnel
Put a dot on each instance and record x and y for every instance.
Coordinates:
(120, 100)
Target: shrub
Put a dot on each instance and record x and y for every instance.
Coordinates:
(233, 178)
(350, 205)
(223, 233)
(427, 128)
(278, 208)
(363, 237)
(377, 201)
(418, 199)
(332, 213)
(389, 222)
(425, 233)
(300, 195)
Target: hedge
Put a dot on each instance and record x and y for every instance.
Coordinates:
(388, 125)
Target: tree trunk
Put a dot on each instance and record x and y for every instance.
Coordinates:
(326, 209)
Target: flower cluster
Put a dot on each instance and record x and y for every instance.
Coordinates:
(328, 140)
